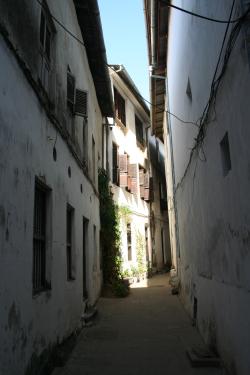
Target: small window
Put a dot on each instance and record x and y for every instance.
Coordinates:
(225, 155)
(139, 131)
(120, 112)
(129, 242)
(77, 100)
(69, 245)
(39, 238)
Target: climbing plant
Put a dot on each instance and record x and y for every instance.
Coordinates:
(110, 232)
(140, 253)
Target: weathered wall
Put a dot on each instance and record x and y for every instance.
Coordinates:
(213, 209)
(31, 325)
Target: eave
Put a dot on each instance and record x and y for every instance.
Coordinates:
(90, 24)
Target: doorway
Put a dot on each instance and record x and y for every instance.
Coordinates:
(84, 257)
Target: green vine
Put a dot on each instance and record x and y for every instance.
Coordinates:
(110, 238)
(140, 253)
(124, 213)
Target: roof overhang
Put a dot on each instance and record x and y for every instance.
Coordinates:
(90, 24)
(156, 18)
(125, 77)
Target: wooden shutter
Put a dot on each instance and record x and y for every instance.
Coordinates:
(146, 186)
(129, 183)
(146, 180)
(81, 103)
(123, 179)
(151, 189)
(134, 178)
(123, 164)
(142, 191)
(141, 176)
(70, 91)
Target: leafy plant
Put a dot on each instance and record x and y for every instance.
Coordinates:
(110, 237)
(141, 253)
(120, 289)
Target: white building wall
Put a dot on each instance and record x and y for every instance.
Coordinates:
(126, 142)
(31, 325)
(213, 209)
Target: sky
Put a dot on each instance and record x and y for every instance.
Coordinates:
(125, 38)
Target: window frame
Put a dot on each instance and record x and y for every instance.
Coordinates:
(139, 132)
(120, 108)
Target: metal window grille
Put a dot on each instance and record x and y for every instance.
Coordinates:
(39, 240)
(129, 241)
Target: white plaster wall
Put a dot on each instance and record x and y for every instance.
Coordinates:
(29, 325)
(213, 210)
(126, 142)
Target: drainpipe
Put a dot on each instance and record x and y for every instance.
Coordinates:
(152, 32)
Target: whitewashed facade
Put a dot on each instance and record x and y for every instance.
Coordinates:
(208, 187)
(51, 126)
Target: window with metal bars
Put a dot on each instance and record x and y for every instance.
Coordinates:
(120, 111)
(39, 238)
(69, 245)
(129, 241)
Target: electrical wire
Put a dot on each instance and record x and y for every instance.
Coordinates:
(160, 108)
(237, 21)
(61, 24)
(199, 15)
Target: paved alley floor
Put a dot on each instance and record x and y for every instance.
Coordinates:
(146, 333)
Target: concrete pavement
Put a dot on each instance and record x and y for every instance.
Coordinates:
(146, 333)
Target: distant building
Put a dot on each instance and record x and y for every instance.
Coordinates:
(161, 252)
(201, 111)
(133, 185)
(54, 97)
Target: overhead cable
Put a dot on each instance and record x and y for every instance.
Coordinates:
(199, 15)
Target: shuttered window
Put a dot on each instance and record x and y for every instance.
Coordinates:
(70, 91)
(77, 100)
(146, 186)
(141, 181)
(81, 103)
(133, 173)
(123, 166)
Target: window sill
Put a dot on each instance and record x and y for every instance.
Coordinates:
(142, 146)
(38, 293)
(121, 125)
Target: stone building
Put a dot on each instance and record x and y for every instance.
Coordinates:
(200, 83)
(55, 96)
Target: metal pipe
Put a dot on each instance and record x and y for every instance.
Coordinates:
(152, 32)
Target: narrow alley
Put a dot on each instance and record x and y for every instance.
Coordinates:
(146, 333)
